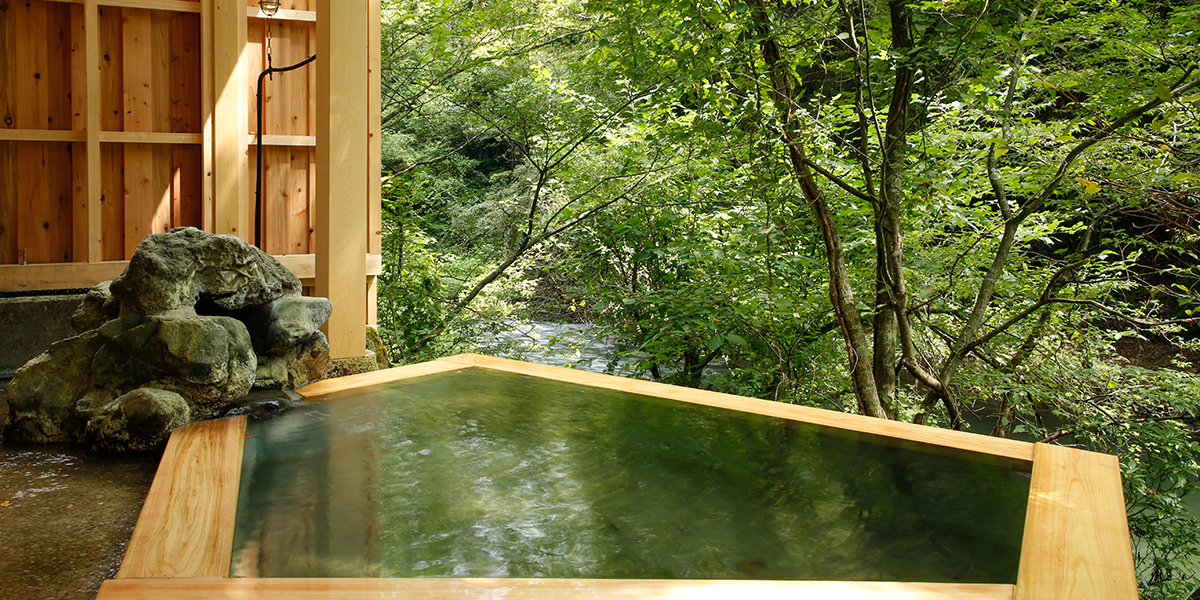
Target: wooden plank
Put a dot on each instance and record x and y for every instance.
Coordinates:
(185, 74)
(79, 120)
(185, 6)
(230, 120)
(33, 244)
(189, 187)
(1076, 544)
(161, 110)
(112, 61)
(138, 70)
(42, 135)
(79, 201)
(32, 90)
(9, 254)
(59, 212)
(94, 210)
(186, 525)
(142, 193)
(162, 186)
(299, 219)
(301, 130)
(326, 387)
(139, 195)
(341, 223)
(52, 276)
(276, 200)
(283, 14)
(150, 137)
(8, 66)
(112, 201)
(1010, 452)
(58, 73)
(540, 589)
(304, 266)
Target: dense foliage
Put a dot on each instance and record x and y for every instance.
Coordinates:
(913, 209)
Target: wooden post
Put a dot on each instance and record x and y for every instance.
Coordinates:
(230, 120)
(91, 16)
(342, 142)
(207, 101)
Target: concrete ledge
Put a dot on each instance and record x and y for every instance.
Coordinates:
(31, 324)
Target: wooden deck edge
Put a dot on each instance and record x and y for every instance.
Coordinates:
(1076, 544)
(186, 525)
(539, 589)
(1010, 453)
(338, 385)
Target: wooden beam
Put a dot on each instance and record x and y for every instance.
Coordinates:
(150, 137)
(342, 130)
(1076, 544)
(42, 135)
(542, 589)
(189, 6)
(284, 140)
(283, 14)
(186, 525)
(230, 120)
(207, 100)
(59, 276)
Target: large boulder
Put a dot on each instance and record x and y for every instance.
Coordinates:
(183, 332)
(98, 307)
(138, 421)
(285, 322)
(209, 360)
(296, 366)
(186, 267)
(43, 393)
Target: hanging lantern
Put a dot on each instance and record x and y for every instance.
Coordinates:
(269, 7)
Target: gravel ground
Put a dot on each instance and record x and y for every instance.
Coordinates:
(65, 519)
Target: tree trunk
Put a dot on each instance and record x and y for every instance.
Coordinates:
(841, 294)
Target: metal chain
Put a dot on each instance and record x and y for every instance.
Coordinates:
(272, 75)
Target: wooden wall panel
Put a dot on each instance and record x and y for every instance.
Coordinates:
(185, 73)
(44, 223)
(58, 67)
(187, 186)
(32, 102)
(112, 200)
(112, 64)
(8, 204)
(187, 161)
(288, 108)
(79, 112)
(8, 64)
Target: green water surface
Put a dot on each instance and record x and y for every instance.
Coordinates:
(483, 474)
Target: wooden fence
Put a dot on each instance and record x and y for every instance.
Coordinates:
(115, 123)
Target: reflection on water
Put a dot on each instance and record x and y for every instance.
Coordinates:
(481, 474)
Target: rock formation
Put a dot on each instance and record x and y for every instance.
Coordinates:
(192, 324)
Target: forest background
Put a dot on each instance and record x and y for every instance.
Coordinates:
(910, 209)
